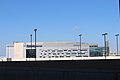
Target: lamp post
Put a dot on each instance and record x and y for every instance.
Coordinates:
(117, 35)
(31, 42)
(35, 42)
(80, 42)
(104, 35)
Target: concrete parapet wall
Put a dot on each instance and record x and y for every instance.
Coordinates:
(61, 70)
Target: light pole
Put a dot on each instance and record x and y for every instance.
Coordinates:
(117, 35)
(31, 43)
(35, 42)
(104, 35)
(80, 42)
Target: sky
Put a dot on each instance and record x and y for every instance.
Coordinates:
(58, 20)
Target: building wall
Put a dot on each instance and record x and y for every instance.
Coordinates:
(61, 49)
(18, 50)
(10, 51)
(49, 50)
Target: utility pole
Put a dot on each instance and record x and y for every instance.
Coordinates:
(31, 44)
(80, 42)
(117, 35)
(35, 42)
(104, 35)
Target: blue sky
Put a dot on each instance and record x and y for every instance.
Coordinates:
(58, 20)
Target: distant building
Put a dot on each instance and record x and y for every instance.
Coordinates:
(98, 51)
(50, 50)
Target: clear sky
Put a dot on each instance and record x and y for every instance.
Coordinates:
(58, 20)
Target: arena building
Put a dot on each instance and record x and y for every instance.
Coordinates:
(50, 50)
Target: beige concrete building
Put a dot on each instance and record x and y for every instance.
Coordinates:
(48, 50)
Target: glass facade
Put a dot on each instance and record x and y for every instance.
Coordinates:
(96, 51)
(30, 53)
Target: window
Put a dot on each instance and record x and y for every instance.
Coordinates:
(65, 49)
(49, 50)
(53, 50)
(75, 50)
(67, 53)
(81, 53)
(73, 53)
(54, 53)
(62, 53)
(40, 56)
(30, 53)
(56, 56)
(45, 54)
(59, 50)
(85, 56)
(67, 56)
(61, 56)
(79, 56)
(69, 50)
(93, 46)
(84, 50)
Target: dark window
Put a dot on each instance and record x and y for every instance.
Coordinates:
(56, 56)
(49, 50)
(85, 56)
(30, 53)
(73, 53)
(67, 53)
(81, 53)
(54, 53)
(84, 50)
(53, 50)
(75, 50)
(45, 54)
(61, 56)
(62, 53)
(59, 50)
(79, 56)
(65, 49)
(69, 50)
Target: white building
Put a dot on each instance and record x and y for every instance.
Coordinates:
(48, 50)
